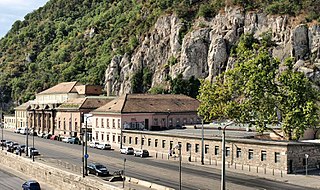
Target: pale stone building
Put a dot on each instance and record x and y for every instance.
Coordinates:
(142, 112)
(9, 121)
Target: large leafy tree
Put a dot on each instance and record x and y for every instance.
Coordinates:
(255, 92)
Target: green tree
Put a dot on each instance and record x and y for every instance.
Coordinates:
(255, 92)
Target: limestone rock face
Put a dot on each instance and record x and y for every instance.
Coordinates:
(204, 51)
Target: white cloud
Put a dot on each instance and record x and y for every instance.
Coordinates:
(12, 10)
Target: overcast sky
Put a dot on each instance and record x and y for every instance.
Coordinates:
(12, 10)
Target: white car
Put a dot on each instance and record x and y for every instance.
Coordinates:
(93, 144)
(127, 150)
(67, 140)
(17, 130)
(103, 146)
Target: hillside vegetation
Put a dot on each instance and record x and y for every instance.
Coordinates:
(69, 40)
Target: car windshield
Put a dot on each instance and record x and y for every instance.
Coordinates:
(145, 151)
(100, 167)
(130, 148)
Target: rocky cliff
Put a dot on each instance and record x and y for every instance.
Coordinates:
(204, 51)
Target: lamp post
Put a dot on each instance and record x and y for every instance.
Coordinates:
(1, 125)
(307, 156)
(27, 137)
(86, 116)
(223, 164)
(178, 146)
(33, 143)
(123, 172)
(202, 143)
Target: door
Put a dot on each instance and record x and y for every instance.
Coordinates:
(146, 124)
(290, 166)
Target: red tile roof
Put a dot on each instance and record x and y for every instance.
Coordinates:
(64, 87)
(85, 103)
(147, 103)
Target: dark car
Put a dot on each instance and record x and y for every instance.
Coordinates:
(47, 136)
(141, 153)
(31, 185)
(97, 169)
(3, 142)
(22, 148)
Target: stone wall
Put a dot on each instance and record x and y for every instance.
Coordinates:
(54, 177)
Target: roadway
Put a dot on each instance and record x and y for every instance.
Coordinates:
(159, 171)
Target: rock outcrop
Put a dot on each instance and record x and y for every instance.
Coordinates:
(204, 51)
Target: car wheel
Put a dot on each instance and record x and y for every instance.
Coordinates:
(97, 174)
(134, 154)
(141, 156)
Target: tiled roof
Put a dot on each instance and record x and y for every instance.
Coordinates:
(23, 106)
(64, 87)
(85, 103)
(147, 103)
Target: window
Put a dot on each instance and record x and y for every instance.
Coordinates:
(277, 157)
(102, 124)
(130, 139)
(188, 147)
(156, 143)
(142, 141)
(227, 151)
(197, 148)
(216, 150)
(108, 137)
(102, 136)
(136, 140)
(184, 120)
(119, 138)
(124, 139)
(113, 123)
(206, 149)
(250, 155)
(149, 142)
(97, 136)
(97, 126)
(178, 121)
(171, 144)
(108, 126)
(119, 124)
(238, 152)
(76, 126)
(155, 121)
(263, 155)
(114, 139)
(163, 143)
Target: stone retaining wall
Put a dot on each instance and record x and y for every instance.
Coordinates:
(54, 177)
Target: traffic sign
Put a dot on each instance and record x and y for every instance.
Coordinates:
(86, 156)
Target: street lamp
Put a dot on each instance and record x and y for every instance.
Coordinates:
(33, 144)
(223, 164)
(178, 146)
(85, 156)
(202, 143)
(27, 137)
(1, 125)
(123, 172)
(307, 156)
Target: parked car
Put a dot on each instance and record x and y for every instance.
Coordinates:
(23, 131)
(33, 151)
(31, 185)
(66, 140)
(127, 150)
(141, 153)
(17, 130)
(41, 135)
(46, 136)
(74, 140)
(93, 144)
(104, 146)
(97, 169)
(22, 148)
(7, 143)
(3, 142)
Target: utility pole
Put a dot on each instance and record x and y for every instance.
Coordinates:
(202, 142)
(27, 129)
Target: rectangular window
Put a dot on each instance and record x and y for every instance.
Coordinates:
(155, 121)
(114, 138)
(124, 139)
(216, 150)
(206, 149)
(171, 144)
(197, 148)
(277, 157)
(102, 124)
(113, 123)
(119, 124)
(156, 143)
(142, 141)
(250, 154)
(130, 139)
(238, 152)
(188, 147)
(136, 140)
(108, 126)
(263, 155)
(227, 151)
(149, 142)
(119, 138)
(108, 137)
(97, 135)
(97, 123)
(163, 143)
(102, 137)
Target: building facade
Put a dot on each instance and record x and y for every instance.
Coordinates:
(9, 122)
(142, 112)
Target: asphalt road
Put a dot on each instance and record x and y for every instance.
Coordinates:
(9, 181)
(162, 172)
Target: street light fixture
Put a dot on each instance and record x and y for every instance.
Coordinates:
(223, 164)
(85, 156)
(178, 146)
